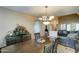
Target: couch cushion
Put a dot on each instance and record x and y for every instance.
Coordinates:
(72, 35)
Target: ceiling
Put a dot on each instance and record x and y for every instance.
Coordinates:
(40, 10)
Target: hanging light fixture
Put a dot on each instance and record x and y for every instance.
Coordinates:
(45, 19)
(46, 22)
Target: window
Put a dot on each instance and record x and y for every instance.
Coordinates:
(68, 27)
(73, 26)
(77, 27)
(63, 26)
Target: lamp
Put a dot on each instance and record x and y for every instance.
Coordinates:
(46, 22)
(45, 19)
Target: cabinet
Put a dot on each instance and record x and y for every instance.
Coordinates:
(19, 34)
(16, 39)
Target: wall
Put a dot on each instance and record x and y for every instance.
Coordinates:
(54, 23)
(68, 19)
(9, 20)
(74, 18)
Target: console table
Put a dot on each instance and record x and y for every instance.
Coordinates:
(19, 34)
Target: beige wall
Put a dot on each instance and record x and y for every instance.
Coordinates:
(68, 19)
(9, 20)
(54, 23)
(74, 18)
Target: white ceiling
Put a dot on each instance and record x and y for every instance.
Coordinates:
(40, 10)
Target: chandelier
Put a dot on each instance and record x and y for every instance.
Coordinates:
(45, 19)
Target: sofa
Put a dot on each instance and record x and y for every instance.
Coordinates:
(62, 33)
(61, 45)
